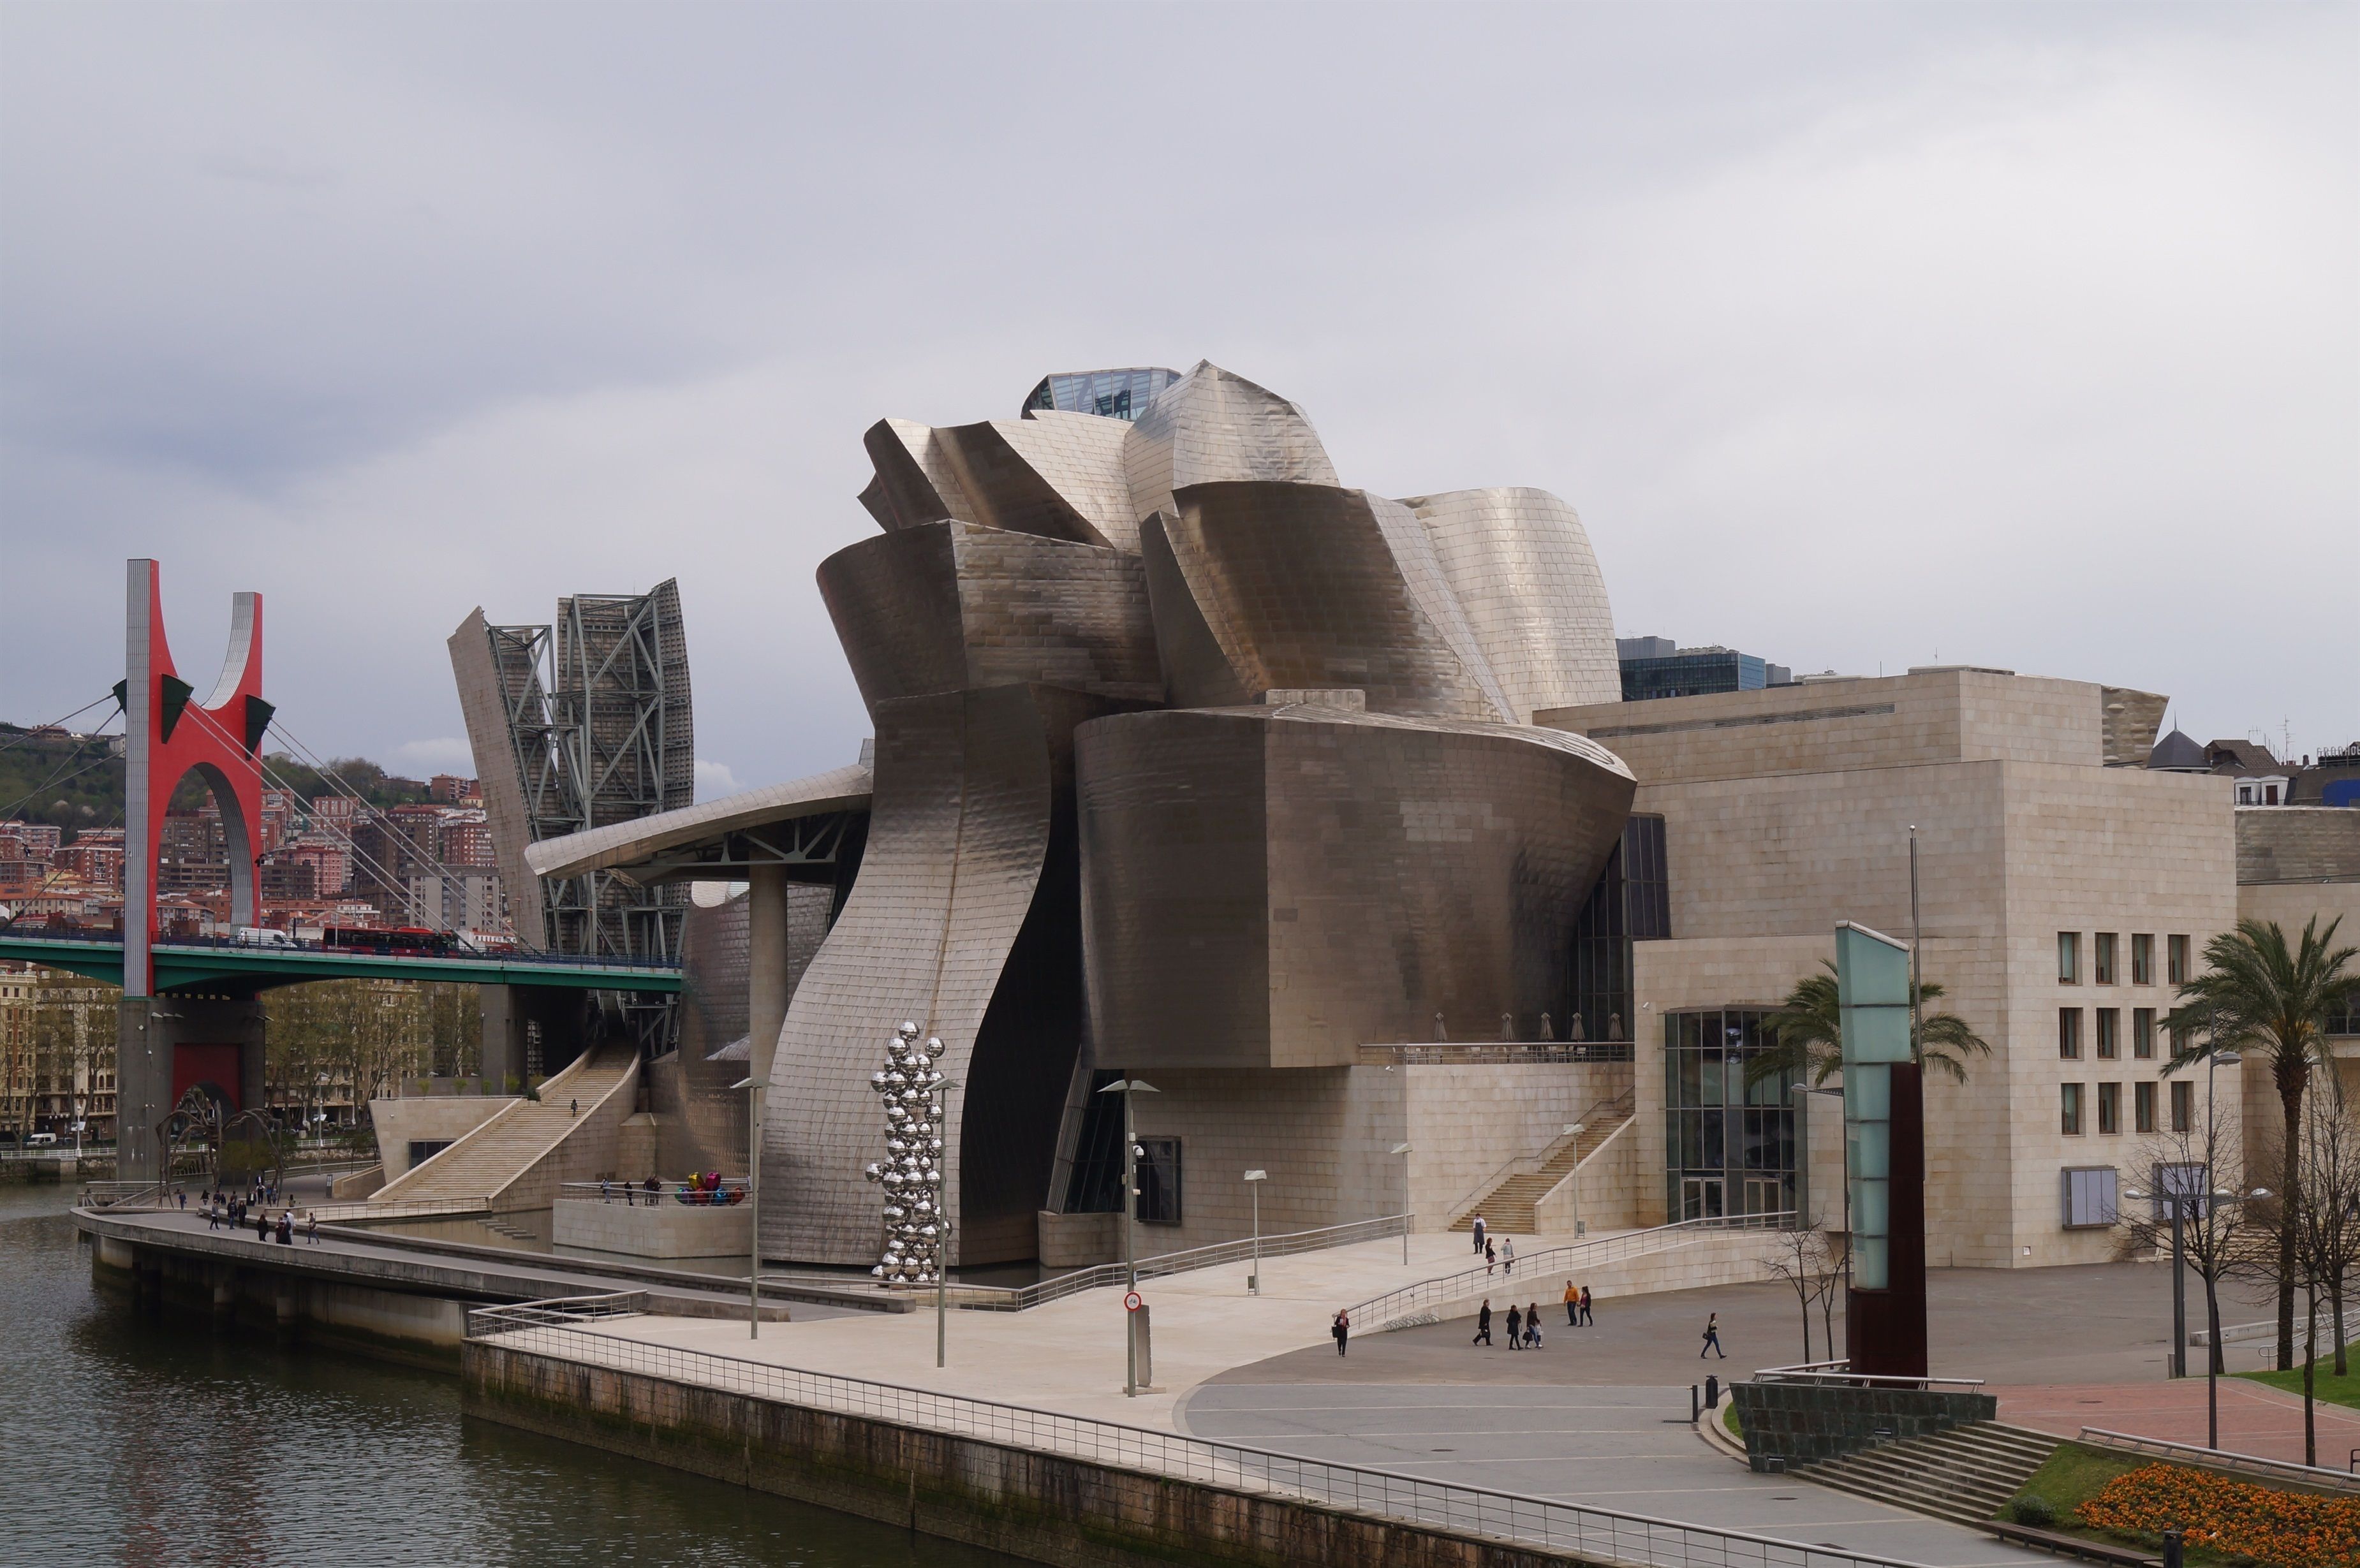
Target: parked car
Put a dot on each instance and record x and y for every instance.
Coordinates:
(42, 1140)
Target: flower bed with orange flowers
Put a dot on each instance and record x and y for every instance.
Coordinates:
(2235, 1518)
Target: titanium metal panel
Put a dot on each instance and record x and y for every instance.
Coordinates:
(483, 704)
(1300, 588)
(915, 482)
(1276, 887)
(950, 606)
(712, 1115)
(1520, 563)
(1211, 425)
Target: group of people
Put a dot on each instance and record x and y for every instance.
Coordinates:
(1525, 1323)
(224, 1211)
(1500, 1254)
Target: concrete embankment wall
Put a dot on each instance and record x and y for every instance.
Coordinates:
(1047, 1506)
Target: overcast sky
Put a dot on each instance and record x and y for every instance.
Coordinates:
(1860, 336)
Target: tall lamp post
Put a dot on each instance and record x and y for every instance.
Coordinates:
(1254, 1179)
(1409, 1210)
(1127, 1088)
(753, 1088)
(1574, 1129)
(942, 1239)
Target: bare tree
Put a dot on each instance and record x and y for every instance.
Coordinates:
(1829, 1268)
(2202, 1168)
(2314, 1244)
(1791, 1262)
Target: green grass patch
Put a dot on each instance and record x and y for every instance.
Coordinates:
(1734, 1427)
(2073, 1475)
(2326, 1388)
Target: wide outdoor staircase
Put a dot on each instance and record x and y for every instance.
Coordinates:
(1507, 1208)
(1962, 1475)
(483, 1165)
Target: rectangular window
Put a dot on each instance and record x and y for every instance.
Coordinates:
(2103, 957)
(2091, 1201)
(2068, 958)
(2069, 1104)
(2143, 1107)
(2176, 959)
(2069, 1033)
(2142, 960)
(2110, 1107)
(2183, 1108)
(1158, 1165)
(2143, 1032)
(2110, 1032)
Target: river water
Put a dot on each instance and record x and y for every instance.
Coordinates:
(140, 1440)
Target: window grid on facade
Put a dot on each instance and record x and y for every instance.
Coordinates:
(2110, 1107)
(2143, 1033)
(2069, 1033)
(2141, 959)
(2068, 1105)
(2110, 1032)
(2068, 958)
(2176, 959)
(2103, 957)
(2143, 1107)
(1731, 1146)
(2183, 1108)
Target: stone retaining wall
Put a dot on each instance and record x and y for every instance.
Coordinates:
(1803, 1423)
(1046, 1507)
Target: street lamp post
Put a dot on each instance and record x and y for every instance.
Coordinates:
(1126, 1087)
(1574, 1129)
(753, 1088)
(1409, 1210)
(1254, 1179)
(943, 1241)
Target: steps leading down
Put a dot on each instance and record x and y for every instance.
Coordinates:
(1507, 1209)
(1962, 1475)
(489, 1164)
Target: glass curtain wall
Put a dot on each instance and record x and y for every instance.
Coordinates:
(1731, 1150)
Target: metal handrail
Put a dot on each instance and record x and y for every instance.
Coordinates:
(1599, 1534)
(1489, 1052)
(521, 956)
(732, 1188)
(1831, 1374)
(2193, 1454)
(1414, 1304)
(1018, 1299)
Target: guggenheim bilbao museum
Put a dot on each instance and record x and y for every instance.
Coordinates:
(1321, 812)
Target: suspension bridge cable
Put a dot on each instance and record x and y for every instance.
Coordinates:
(55, 723)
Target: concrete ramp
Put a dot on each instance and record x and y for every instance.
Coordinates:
(518, 1160)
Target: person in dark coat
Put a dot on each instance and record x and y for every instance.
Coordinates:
(1342, 1329)
(1483, 1324)
(287, 1227)
(1515, 1326)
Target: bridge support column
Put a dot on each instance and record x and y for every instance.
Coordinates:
(766, 960)
(163, 1046)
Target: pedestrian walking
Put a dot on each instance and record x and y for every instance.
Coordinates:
(184, 1199)
(1507, 1255)
(572, 1108)
(286, 1227)
(1478, 1232)
(262, 1224)
(1342, 1329)
(1531, 1325)
(1572, 1305)
(1483, 1324)
(606, 1193)
(213, 1217)
(1491, 1259)
(311, 1226)
(1712, 1338)
(1585, 1306)
(1515, 1326)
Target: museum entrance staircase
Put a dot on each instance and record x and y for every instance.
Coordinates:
(492, 1164)
(1962, 1475)
(1506, 1204)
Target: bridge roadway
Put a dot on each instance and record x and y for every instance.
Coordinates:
(180, 965)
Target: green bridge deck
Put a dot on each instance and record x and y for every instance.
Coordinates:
(180, 966)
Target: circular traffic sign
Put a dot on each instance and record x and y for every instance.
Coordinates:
(1131, 1304)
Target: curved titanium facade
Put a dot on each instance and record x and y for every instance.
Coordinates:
(1088, 823)
(1277, 887)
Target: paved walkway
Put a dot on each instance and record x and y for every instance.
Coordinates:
(2255, 1417)
(1628, 1449)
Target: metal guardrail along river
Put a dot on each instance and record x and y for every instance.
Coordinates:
(555, 1329)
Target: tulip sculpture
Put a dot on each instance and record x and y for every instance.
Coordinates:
(912, 1174)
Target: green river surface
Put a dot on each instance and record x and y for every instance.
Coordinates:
(145, 1440)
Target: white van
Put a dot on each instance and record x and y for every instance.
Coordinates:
(263, 936)
(42, 1140)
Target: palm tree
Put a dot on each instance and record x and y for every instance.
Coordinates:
(2256, 994)
(1808, 1029)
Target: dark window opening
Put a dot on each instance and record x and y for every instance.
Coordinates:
(1159, 1180)
(1631, 902)
(1096, 1184)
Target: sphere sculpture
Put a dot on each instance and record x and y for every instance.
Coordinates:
(915, 1221)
